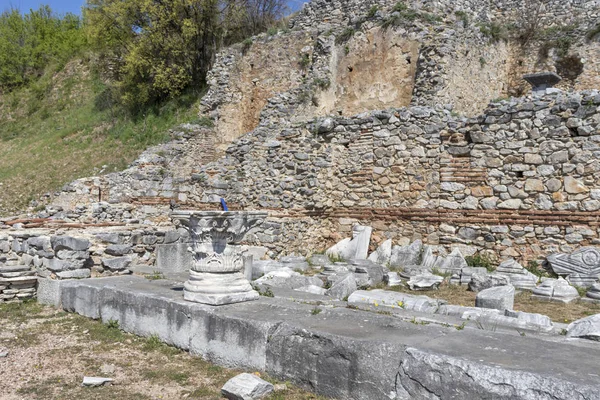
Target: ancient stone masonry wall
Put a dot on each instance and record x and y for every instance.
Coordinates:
(26, 254)
(520, 180)
(243, 79)
(461, 67)
(344, 11)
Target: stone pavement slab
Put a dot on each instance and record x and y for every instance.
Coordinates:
(345, 353)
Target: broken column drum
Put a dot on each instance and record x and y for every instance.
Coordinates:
(216, 275)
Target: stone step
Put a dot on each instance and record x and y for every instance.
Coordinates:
(13, 268)
(387, 352)
(18, 280)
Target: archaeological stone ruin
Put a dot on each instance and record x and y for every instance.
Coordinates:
(375, 158)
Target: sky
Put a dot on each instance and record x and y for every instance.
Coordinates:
(58, 6)
(74, 6)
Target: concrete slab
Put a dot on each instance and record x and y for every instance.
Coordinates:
(346, 353)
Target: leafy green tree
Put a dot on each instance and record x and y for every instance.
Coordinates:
(31, 42)
(155, 49)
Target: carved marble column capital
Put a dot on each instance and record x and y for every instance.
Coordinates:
(217, 258)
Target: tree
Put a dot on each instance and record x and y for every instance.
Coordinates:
(30, 42)
(155, 49)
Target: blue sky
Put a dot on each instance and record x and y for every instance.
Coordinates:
(74, 6)
(58, 6)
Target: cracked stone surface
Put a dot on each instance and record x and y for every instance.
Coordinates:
(347, 353)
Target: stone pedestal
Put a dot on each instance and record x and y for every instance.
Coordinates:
(216, 275)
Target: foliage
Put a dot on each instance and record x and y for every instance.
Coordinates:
(479, 260)
(316, 310)
(438, 272)
(72, 115)
(267, 292)
(246, 44)
(534, 267)
(372, 11)
(112, 324)
(204, 121)
(399, 7)
(304, 61)
(463, 17)
(493, 31)
(31, 41)
(155, 50)
(156, 275)
(401, 14)
(556, 37)
(581, 291)
(334, 257)
(322, 84)
(345, 35)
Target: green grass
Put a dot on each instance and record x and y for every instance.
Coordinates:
(66, 126)
(20, 312)
(81, 346)
(344, 36)
(156, 275)
(153, 343)
(493, 31)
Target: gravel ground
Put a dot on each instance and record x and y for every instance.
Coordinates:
(50, 351)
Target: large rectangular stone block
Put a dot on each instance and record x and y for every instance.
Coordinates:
(173, 257)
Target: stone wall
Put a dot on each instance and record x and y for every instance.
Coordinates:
(438, 57)
(244, 77)
(520, 180)
(59, 254)
(342, 12)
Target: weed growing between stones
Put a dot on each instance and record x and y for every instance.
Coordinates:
(372, 11)
(266, 292)
(479, 260)
(333, 258)
(246, 44)
(534, 267)
(112, 324)
(416, 321)
(155, 276)
(345, 35)
(463, 17)
(304, 60)
(493, 31)
(316, 311)
(322, 84)
(401, 15)
(438, 272)
(581, 290)
(204, 121)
